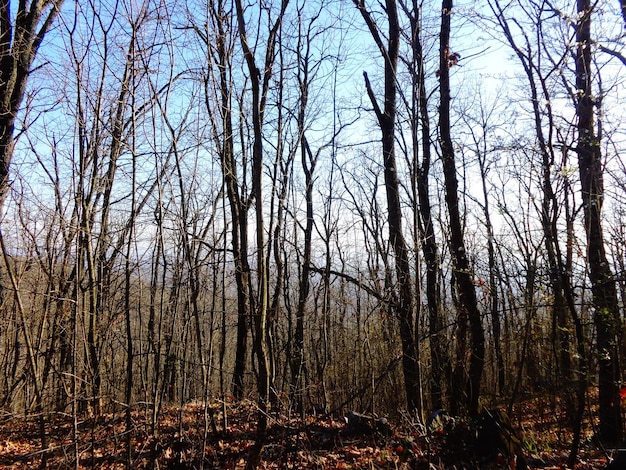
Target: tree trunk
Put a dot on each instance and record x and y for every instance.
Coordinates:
(438, 355)
(238, 206)
(606, 315)
(462, 277)
(308, 161)
(259, 86)
(386, 120)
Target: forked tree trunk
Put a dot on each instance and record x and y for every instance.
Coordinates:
(259, 83)
(219, 51)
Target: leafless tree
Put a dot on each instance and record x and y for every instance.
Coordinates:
(259, 84)
(386, 117)
(590, 165)
(461, 271)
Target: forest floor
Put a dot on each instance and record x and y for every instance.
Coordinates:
(321, 442)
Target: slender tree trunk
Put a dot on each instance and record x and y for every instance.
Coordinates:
(308, 161)
(219, 63)
(259, 86)
(280, 184)
(129, 331)
(387, 120)
(422, 211)
(297, 359)
(153, 368)
(493, 286)
(438, 356)
(462, 276)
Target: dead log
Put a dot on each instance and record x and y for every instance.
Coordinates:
(358, 423)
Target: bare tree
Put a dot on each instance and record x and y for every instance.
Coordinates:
(421, 146)
(461, 271)
(386, 117)
(220, 63)
(259, 84)
(606, 315)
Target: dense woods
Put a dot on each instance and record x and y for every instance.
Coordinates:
(389, 207)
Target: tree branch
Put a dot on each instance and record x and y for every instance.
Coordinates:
(370, 93)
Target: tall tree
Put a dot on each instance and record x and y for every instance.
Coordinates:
(604, 291)
(386, 117)
(259, 85)
(462, 275)
(220, 42)
(308, 161)
(310, 69)
(421, 140)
